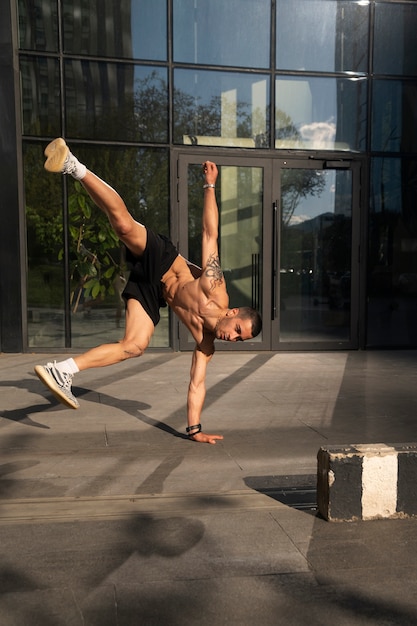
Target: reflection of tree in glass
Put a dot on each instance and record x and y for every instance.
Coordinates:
(194, 119)
(95, 261)
(297, 184)
(285, 129)
(141, 178)
(133, 110)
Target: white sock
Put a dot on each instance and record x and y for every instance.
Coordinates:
(69, 366)
(75, 168)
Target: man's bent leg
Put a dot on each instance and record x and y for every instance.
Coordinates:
(138, 332)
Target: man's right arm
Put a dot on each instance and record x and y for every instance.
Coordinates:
(212, 274)
(197, 393)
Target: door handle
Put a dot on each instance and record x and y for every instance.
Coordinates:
(274, 260)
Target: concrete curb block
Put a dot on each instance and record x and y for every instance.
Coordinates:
(367, 482)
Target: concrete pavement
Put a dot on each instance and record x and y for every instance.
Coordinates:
(109, 515)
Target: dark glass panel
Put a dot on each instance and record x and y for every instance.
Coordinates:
(322, 35)
(116, 101)
(234, 33)
(130, 29)
(221, 109)
(45, 236)
(392, 282)
(96, 262)
(321, 113)
(41, 96)
(394, 116)
(38, 25)
(315, 255)
(395, 50)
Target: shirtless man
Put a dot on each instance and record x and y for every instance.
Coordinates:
(201, 303)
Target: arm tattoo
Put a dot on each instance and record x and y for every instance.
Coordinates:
(213, 271)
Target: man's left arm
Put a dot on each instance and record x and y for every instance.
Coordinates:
(197, 394)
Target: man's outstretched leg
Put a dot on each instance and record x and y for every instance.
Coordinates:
(130, 232)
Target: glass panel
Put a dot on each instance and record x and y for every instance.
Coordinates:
(132, 29)
(97, 260)
(38, 25)
(394, 116)
(321, 113)
(242, 27)
(315, 255)
(116, 101)
(324, 36)
(45, 270)
(392, 286)
(239, 192)
(41, 96)
(221, 109)
(395, 50)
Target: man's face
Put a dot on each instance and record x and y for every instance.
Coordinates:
(234, 329)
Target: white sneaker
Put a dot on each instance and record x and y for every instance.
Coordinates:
(58, 382)
(61, 160)
(57, 152)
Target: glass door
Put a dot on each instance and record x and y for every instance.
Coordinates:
(240, 193)
(288, 243)
(315, 255)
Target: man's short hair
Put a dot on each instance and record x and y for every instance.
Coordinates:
(247, 313)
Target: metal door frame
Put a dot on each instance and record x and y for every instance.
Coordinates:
(318, 163)
(272, 165)
(182, 339)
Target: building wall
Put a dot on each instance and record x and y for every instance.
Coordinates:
(128, 82)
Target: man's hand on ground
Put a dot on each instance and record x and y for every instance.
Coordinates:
(204, 438)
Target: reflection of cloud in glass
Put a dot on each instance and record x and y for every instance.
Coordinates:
(319, 133)
(299, 219)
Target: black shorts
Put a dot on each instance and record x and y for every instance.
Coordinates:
(144, 283)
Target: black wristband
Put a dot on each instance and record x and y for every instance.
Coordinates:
(195, 427)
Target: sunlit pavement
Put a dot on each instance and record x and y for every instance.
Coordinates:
(110, 515)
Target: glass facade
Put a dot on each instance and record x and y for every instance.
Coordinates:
(321, 113)
(221, 108)
(392, 271)
(233, 33)
(130, 83)
(322, 36)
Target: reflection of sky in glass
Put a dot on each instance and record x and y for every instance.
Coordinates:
(334, 198)
(206, 85)
(320, 111)
(308, 100)
(306, 35)
(222, 32)
(157, 77)
(312, 22)
(313, 206)
(149, 29)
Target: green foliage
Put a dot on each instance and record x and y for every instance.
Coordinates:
(95, 250)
